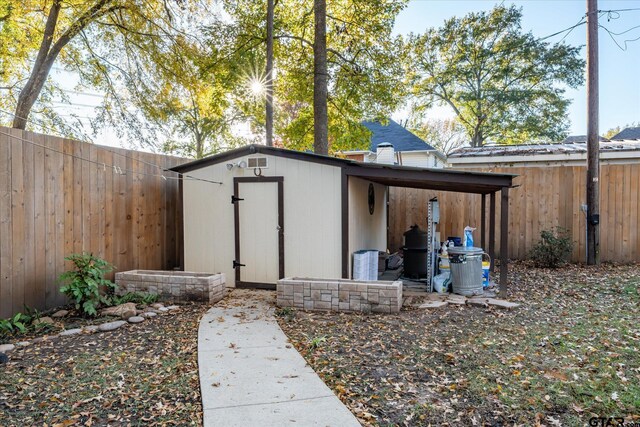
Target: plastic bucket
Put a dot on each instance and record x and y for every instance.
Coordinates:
(486, 266)
(466, 270)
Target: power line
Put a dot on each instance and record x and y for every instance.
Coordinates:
(116, 169)
(582, 21)
(625, 42)
(104, 165)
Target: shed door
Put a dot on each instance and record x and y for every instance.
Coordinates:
(259, 233)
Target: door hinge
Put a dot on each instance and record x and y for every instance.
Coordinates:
(235, 199)
(236, 264)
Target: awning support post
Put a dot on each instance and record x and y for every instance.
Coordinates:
(483, 222)
(504, 241)
(492, 229)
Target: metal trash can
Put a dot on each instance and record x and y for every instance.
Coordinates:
(466, 270)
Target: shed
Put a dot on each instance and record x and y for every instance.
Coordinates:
(261, 213)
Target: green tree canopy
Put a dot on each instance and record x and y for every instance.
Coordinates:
(364, 73)
(503, 84)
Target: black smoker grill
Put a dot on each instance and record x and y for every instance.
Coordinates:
(415, 249)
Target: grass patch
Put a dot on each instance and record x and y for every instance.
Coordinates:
(569, 353)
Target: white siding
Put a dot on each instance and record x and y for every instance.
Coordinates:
(366, 231)
(420, 159)
(312, 218)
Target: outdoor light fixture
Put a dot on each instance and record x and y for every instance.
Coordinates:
(241, 164)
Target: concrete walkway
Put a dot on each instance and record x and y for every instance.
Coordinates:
(251, 376)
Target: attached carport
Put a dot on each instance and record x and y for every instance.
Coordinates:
(482, 183)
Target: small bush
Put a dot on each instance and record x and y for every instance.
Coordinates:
(553, 249)
(20, 324)
(86, 285)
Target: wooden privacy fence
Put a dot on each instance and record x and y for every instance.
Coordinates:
(547, 197)
(59, 196)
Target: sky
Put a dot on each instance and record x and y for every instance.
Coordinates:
(619, 70)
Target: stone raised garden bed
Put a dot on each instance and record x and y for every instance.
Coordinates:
(340, 295)
(174, 286)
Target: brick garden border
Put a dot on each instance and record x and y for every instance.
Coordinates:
(340, 295)
(174, 286)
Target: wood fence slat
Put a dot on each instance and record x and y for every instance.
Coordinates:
(17, 214)
(40, 219)
(6, 227)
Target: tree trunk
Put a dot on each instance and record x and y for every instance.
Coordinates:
(41, 68)
(47, 54)
(320, 77)
(269, 72)
(477, 140)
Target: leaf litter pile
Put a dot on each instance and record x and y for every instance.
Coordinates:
(568, 353)
(142, 374)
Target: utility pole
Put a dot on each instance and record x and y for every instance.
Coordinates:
(269, 73)
(593, 139)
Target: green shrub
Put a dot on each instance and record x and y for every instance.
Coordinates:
(18, 324)
(86, 285)
(553, 249)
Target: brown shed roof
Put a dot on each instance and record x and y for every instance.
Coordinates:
(391, 175)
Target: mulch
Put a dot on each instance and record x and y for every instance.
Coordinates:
(567, 354)
(142, 374)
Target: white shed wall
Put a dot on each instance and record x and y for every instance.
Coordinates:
(366, 231)
(312, 218)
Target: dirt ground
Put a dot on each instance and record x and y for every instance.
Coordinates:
(140, 374)
(569, 353)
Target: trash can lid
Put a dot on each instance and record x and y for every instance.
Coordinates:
(462, 250)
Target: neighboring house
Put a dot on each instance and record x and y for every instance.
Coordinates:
(627, 134)
(556, 154)
(407, 149)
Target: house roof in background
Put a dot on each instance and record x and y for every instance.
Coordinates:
(572, 139)
(401, 138)
(536, 149)
(628, 133)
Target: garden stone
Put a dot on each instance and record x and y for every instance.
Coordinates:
(123, 311)
(111, 326)
(481, 302)
(90, 329)
(23, 344)
(173, 307)
(43, 320)
(163, 309)
(502, 303)
(3, 358)
(6, 347)
(157, 305)
(149, 314)
(68, 332)
(135, 319)
(433, 304)
(37, 340)
(60, 313)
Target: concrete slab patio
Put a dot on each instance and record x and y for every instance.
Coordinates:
(251, 376)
